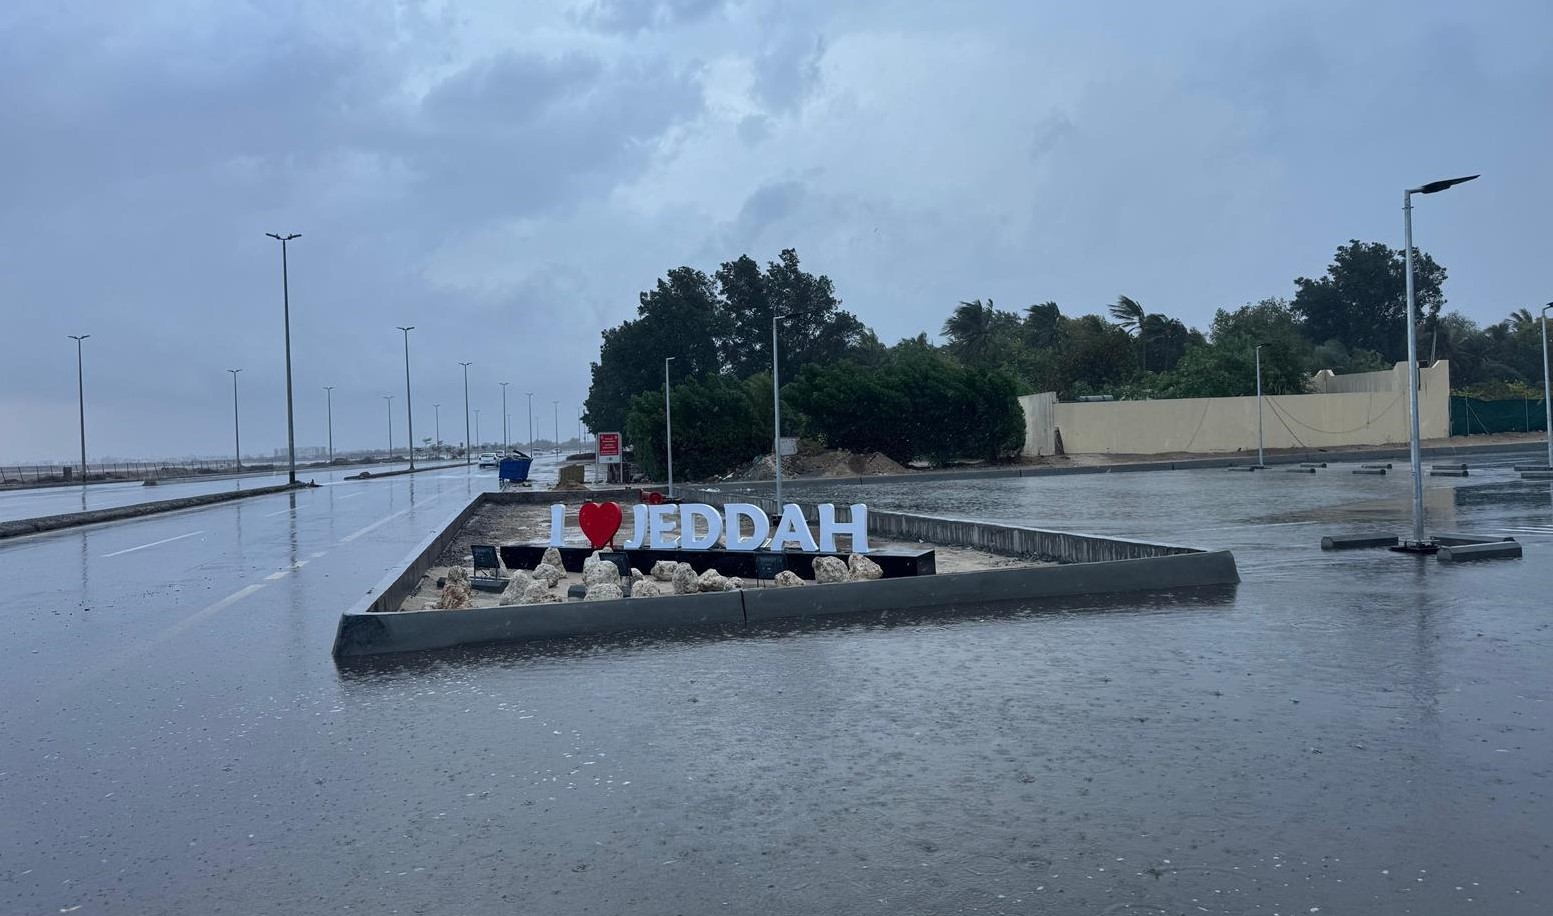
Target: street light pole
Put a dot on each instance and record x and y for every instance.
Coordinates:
(1414, 453)
(1260, 461)
(80, 387)
(530, 442)
(506, 440)
(477, 425)
(285, 288)
(776, 415)
(668, 422)
(436, 419)
(409, 403)
(237, 436)
(1547, 388)
(329, 406)
(468, 445)
(556, 406)
(390, 399)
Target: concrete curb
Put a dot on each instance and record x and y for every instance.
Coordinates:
(1098, 565)
(402, 471)
(1180, 464)
(26, 526)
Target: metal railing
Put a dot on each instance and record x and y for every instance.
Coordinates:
(36, 474)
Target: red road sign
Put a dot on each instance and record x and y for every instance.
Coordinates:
(609, 448)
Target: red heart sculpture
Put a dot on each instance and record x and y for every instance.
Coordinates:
(599, 522)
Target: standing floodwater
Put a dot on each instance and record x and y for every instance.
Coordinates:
(1351, 732)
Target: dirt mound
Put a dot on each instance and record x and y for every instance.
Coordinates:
(569, 485)
(821, 463)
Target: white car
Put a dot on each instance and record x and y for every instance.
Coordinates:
(488, 460)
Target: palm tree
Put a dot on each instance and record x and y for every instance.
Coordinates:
(1130, 315)
(1042, 322)
(972, 329)
(1521, 319)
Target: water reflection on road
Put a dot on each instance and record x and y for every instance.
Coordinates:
(1355, 732)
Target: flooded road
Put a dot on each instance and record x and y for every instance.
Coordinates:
(1351, 732)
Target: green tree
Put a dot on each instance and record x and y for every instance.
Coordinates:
(679, 317)
(981, 335)
(814, 328)
(1096, 355)
(715, 429)
(1043, 326)
(1362, 300)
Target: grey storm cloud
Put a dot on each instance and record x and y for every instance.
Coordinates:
(508, 177)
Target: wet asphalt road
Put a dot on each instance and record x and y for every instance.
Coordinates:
(31, 503)
(1356, 732)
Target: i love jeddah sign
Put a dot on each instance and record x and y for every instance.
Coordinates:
(697, 526)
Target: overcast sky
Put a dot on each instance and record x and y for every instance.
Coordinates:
(507, 176)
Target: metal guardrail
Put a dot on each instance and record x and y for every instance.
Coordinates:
(120, 470)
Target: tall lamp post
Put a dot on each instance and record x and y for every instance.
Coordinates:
(409, 405)
(285, 292)
(1547, 387)
(468, 445)
(506, 439)
(477, 425)
(668, 423)
(436, 420)
(556, 406)
(389, 399)
(329, 407)
(80, 387)
(530, 441)
(1261, 462)
(237, 436)
(1417, 544)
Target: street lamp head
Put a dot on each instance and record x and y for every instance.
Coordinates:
(1435, 187)
(1548, 306)
(407, 329)
(284, 238)
(78, 336)
(234, 371)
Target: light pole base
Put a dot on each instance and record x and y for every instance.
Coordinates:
(1417, 547)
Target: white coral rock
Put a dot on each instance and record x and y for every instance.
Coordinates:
(862, 569)
(603, 591)
(828, 570)
(787, 579)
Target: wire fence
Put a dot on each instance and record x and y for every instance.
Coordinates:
(36, 474)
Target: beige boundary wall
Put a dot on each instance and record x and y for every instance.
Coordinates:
(1363, 409)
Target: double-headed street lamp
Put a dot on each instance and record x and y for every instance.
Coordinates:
(237, 436)
(668, 423)
(436, 420)
(556, 406)
(467, 444)
(285, 291)
(1417, 544)
(409, 408)
(80, 387)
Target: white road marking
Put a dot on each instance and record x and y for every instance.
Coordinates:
(374, 526)
(153, 544)
(317, 554)
(277, 574)
(354, 495)
(199, 615)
